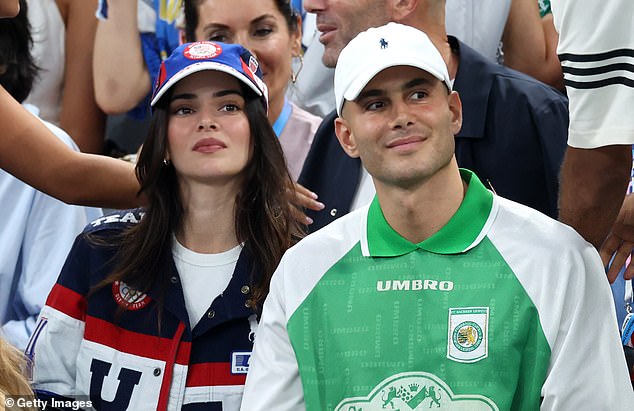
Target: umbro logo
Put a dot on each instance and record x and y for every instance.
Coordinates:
(413, 285)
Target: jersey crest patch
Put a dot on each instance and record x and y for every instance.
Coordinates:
(415, 391)
(129, 298)
(468, 339)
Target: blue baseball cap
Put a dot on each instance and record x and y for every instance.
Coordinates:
(190, 58)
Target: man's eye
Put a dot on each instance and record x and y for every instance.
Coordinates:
(419, 95)
(375, 105)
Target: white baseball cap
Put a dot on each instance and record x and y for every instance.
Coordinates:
(378, 48)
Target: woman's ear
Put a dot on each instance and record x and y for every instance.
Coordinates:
(296, 38)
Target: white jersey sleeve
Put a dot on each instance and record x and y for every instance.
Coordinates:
(273, 381)
(576, 314)
(579, 356)
(596, 50)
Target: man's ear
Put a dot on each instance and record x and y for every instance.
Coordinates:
(346, 137)
(455, 107)
(400, 10)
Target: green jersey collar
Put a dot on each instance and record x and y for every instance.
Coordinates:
(463, 231)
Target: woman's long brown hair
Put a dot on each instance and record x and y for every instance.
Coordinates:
(263, 219)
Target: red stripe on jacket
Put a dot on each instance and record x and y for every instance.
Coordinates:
(143, 345)
(67, 301)
(213, 373)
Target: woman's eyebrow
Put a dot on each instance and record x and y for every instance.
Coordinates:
(220, 93)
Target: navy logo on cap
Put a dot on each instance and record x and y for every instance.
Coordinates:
(383, 43)
(202, 50)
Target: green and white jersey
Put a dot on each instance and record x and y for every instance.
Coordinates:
(502, 309)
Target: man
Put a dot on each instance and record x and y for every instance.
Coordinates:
(598, 162)
(597, 168)
(439, 293)
(480, 27)
(514, 128)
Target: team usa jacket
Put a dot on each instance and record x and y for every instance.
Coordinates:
(91, 348)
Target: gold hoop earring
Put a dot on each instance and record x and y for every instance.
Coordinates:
(294, 74)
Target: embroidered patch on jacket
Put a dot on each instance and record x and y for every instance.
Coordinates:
(129, 298)
(240, 362)
(468, 339)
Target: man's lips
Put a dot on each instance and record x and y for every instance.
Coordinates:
(405, 142)
(327, 32)
(207, 145)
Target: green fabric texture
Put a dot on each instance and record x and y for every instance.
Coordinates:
(544, 7)
(375, 332)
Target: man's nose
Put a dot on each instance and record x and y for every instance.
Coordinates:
(313, 6)
(402, 115)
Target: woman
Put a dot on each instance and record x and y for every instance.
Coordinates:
(271, 29)
(160, 312)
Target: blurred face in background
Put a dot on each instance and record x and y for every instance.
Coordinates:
(339, 21)
(9, 8)
(261, 27)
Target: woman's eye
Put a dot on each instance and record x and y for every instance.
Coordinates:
(263, 32)
(182, 111)
(221, 37)
(230, 107)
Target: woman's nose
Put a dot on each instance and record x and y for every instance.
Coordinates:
(207, 123)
